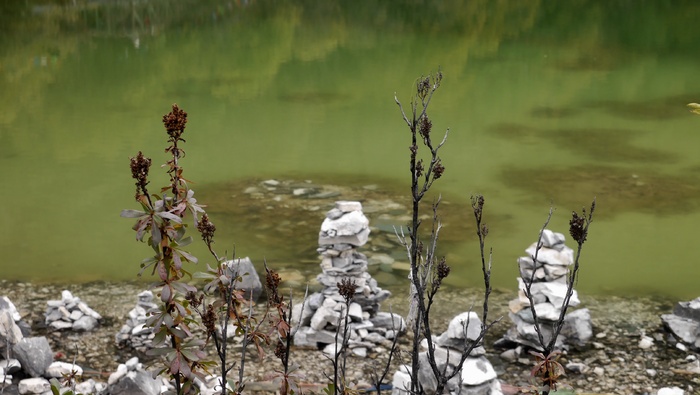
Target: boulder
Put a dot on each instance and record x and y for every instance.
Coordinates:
(250, 281)
(34, 354)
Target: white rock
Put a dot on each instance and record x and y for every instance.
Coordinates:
(681, 346)
(75, 315)
(34, 386)
(670, 391)
(355, 312)
(401, 382)
(86, 387)
(66, 296)
(467, 320)
(550, 256)
(85, 323)
(59, 369)
(476, 371)
(9, 330)
(332, 349)
(547, 311)
(59, 325)
(11, 308)
(133, 364)
(88, 311)
(646, 342)
(551, 239)
(121, 372)
(10, 365)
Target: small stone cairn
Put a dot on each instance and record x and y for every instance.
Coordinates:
(684, 323)
(477, 376)
(135, 333)
(344, 229)
(70, 313)
(548, 292)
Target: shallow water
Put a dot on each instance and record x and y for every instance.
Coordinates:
(545, 101)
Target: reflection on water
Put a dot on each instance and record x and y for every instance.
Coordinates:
(546, 102)
(619, 190)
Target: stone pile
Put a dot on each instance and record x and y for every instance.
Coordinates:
(344, 230)
(134, 333)
(548, 289)
(477, 376)
(70, 313)
(684, 323)
(130, 378)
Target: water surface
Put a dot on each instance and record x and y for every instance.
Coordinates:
(546, 102)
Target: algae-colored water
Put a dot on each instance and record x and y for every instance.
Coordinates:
(547, 102)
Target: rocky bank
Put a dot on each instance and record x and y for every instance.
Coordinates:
(630, 352)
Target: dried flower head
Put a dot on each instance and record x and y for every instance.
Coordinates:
(425, 126)
(175, 121)
(423, 87)
(206, 229)
(194, 300)
(346, 289)
(443, 270)
(281, 351)
(140, 166)
(577, 228)
(209, 319)
(272, 282)
(438, 169)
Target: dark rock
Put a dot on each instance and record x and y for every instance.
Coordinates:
(685, 329)
(35, 355)
(688, 309)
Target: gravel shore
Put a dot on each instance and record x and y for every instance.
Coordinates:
(614, 362)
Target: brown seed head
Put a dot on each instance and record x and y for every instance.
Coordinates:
(438, 169)
(346, 289)
(577, 228)
(139, 171)
(272, 282)
(206, 229)
(175, 121)
(425, 126)
(209, 319)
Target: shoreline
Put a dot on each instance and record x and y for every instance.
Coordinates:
(612, 363)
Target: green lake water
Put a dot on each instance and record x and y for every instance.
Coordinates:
(547, 102)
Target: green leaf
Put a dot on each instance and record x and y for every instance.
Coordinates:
(132, 213)
(203, 275)
(188, 256)
(159, 351)
(185, 242)
(55, 386)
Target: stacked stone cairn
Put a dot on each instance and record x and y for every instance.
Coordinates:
(548, 292)
(70, 313)
(344, 229)
(477, 376)
(134, 333)
(684, 323)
